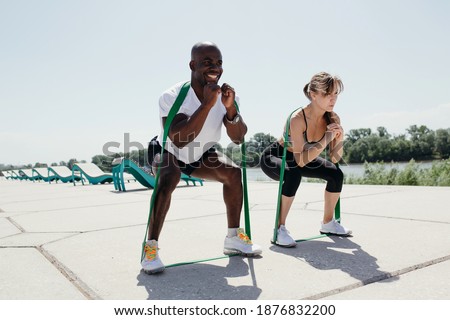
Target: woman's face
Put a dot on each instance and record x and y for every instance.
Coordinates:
(326, 102)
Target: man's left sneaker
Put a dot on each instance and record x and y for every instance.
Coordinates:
(241, 244)
(151, 262)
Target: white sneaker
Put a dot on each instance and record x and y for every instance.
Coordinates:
(151, 262)
(241, 244)
(284, 239)
(334, 228)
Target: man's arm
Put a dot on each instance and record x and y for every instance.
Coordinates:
(235, 125)
(185, 129)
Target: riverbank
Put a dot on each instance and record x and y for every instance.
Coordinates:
(353, 170)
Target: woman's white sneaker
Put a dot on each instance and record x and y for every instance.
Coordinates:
(284, 239)
(335, 228)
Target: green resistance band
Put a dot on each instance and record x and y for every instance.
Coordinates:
(244, 184)
(173, 111)
(280, 184)
(337, 209)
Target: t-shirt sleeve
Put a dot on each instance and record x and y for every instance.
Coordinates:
(166, 102)
(168, 98)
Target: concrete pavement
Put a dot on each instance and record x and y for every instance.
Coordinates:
(59, 241)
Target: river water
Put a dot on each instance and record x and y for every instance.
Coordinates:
(355, 170)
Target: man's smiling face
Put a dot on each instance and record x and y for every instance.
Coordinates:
(206, 65)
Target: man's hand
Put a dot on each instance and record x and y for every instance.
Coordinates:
(211, 92)
(228, 96)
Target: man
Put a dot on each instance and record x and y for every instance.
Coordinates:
(189, 149)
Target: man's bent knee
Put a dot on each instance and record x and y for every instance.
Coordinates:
(233, 176)
(169, 179)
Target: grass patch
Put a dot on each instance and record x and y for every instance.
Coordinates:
(411, 175)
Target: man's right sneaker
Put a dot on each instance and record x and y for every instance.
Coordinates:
(151, 262)
(241, 244)
(284, 239)
(335, 228)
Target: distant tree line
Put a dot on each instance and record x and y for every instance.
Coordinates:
(253, 147)
(419, 143)
(68, 164)
(105, 162)
(360, 145)
(364, 145)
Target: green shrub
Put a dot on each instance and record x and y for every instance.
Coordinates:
(411, 175)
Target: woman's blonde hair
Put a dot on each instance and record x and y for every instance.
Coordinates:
(323, 83)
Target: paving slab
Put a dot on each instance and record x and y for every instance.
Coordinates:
(26, 274)
(7, 228)
(417, 285)
(89, 239)
(397, 202)
(33, 239)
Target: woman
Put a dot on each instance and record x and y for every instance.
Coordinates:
(313, 129)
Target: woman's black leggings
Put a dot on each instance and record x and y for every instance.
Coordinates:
(271, 160)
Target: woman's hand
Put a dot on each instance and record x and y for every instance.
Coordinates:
(336, 131)
(335, 145)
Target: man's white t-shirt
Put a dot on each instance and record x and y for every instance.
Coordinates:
(208, 136)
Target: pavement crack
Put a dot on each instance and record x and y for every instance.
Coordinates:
(396, 218)
(344, 213)
(15, 224)
(386, 217)
(70, 275)
(353, 197)
(64, 238)
(378, 278)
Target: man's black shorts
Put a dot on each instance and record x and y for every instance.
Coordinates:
(155, 148)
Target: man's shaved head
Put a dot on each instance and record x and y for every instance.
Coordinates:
(200, 46)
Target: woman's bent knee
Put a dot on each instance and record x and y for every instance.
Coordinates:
(270, 168)
(335, 181)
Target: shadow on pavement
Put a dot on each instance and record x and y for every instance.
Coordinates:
(201, 281)
(341, 254)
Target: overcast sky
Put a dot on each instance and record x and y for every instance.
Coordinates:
(75, 75)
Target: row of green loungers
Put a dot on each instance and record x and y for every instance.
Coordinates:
(121, 165)
(56, 174)
(123, 170)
